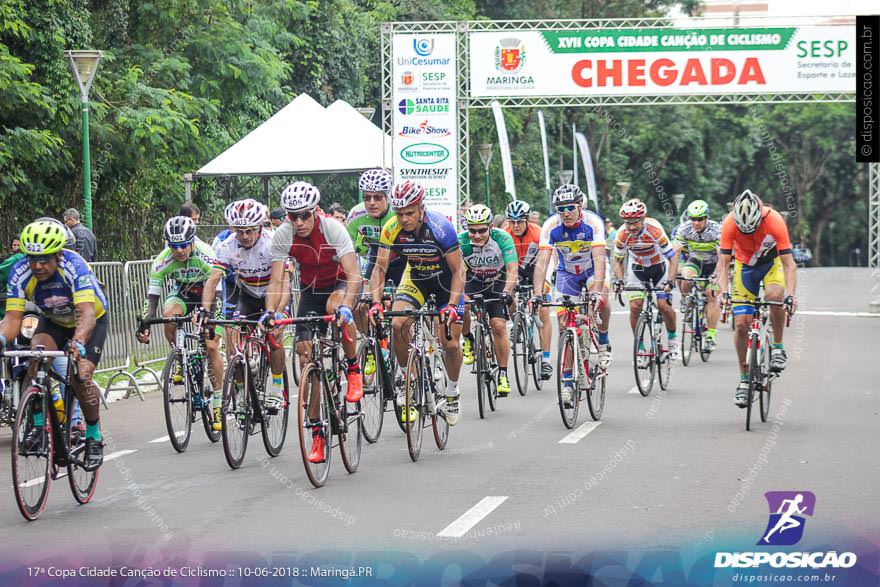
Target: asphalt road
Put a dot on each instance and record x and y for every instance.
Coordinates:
(676, 468)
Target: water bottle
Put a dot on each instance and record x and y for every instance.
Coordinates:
(58, 402)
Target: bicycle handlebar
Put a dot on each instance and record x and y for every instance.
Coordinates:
(29, 353)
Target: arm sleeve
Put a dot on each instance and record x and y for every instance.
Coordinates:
(548, 226)
(389, 233)
(337, 236)
(663, 243)
(779, 231)
(157, 275)
(727, 228)
(598, 230)
(508, 250)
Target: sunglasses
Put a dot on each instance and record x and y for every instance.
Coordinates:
(697, 218)
(564, 209)
(39, 259)
(246, 231)
(301, 216)
(178, 246)
(478, 230)
(632, 222)
(374, 198)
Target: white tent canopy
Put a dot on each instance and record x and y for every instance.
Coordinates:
(305, 138)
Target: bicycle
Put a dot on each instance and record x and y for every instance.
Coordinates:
(649, 354)
(378, 386)
(525, 342)
(486, 366)
(579, 348)
(40, 451)
(425, 379)
(336, 417)
(244, 393)
(758, 354)
(693, 320)
(186, 392)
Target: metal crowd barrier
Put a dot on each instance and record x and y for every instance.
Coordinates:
(137, 275)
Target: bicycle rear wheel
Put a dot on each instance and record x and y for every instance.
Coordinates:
(309, 383)
(754, 377)
(438, 387)
(236, 413)
(644, 365)
(208, 415)
(481, 368)
(520, 345)
(415, 398)
(274, 427)
(596, 391)
(31, 461)
(177, 400)
(664, 363)
(491, 375)
(350, 433)
(765, 379)
(566, 350)
(687, 334)
(373, 402)
(82, 482)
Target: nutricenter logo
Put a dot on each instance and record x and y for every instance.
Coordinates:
(424, 154)
(785, 527)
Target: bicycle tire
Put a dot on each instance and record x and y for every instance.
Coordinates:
(350, 434)
(491, 372)
(172, 403)
(566, 345)
(596, 391)
(645, 335)
(480, 367)
(208, 415)
(664, 364)
(274, 427)
(439, 424)
(36, 473)
(704, 326)
(373, 402)
(311, 377)
(235, 413)
(688, 338)
(82, 483)
(520, 347)
(415, 387)
(766, 386)
(754, 374)
(536, 357)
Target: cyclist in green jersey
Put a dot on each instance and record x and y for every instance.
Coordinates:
(186, 262)
(492, 271)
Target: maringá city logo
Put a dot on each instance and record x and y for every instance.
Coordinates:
(787, 511)
(510, 55)
(407, 78)
(423, 47)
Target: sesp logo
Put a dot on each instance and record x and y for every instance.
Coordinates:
(423, 47)
(787, 511)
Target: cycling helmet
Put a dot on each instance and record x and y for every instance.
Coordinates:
(698, 209)
(407, 194)
(375, 180)
(518, 210)
(180, 230)
(633, 209)
(747, 212)
(300, 196)
(71, 240)
(42, 237)
(245, 213)
(478, 214)
(568, 193)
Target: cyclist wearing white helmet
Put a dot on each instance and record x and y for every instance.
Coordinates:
(578, 237)
(527, 241)
(649, 249)
(758, 238)
(492, 271)
(427, 240)
(329, 278)
(696, 239)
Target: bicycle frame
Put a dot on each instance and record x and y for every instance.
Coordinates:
(581, 324)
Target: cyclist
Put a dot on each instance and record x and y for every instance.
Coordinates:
(697, 238)
(758, 237)
(527, 240)
(330, 283)
(74, 315)
(649, 252)
(429, 243)
(187, 262)
(578, 237)
(492, 271)
(247, 256)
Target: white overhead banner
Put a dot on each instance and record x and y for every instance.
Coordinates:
(663, 61)
(425, 118)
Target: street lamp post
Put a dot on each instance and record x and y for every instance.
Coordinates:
(677, 199)
(84, 65)
(565, 175)
(831, 226)
(623, 188)
(485, 151)
(367, 111)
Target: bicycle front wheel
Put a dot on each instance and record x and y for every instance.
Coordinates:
(415, 399)
(596, 391)
(274, 428)
(33, 450)
(481, 369)
(664, 363)
(688, 341)
(373, 402)
(567, 409)
(82, 482)
(438, 387)
(643, 356)
(317, 431)
(519, 342)
(491, 372)
(754, 368)
(536, 355)
(350, 434)
(235, 413)
(178, 401)
(766, 384)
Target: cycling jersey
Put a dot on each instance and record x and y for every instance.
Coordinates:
(424, 250)
(72, 283)
(700, 246)
(365, 230)
(251, 267)
(318, 254)
(5, 267)
(527, 247)
(760, 247)
(648, 247)
(487, 262)
(574, 246)
(188, 277)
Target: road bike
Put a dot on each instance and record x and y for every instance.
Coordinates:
(42, 447)
(486, 366)
(693, 320)
(650, 355)
(378, 386)
(525, 342)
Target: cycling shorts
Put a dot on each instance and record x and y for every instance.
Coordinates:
(491, 290)
(417, 292)
(61, 336)
(638, 275)
(314, 300)
(747, 281)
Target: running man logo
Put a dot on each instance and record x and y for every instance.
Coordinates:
(786, 524)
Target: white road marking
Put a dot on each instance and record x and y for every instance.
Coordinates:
(578, 433)
(118, 453)
(635, 389)
(62, 474)
(837, 313)
(472, 517)
(164, 438)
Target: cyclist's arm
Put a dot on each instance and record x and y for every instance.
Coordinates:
(512, 276)
(209, 293)
(10, 326)
(353, 278)
(456, 266)
(673, 261)
(789, 267)
(598, 267)
(541, 263)
(380, 269)
(723, 271)
(152, 306)
(85, 323)
(275, 291)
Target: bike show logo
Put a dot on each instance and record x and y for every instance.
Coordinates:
(424, 153)
(423, 106)
(424, 129)
(785, 527)
(510, 59)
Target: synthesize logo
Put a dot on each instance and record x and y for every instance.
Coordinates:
(786, 524)
(510, 55)
(423, 47)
